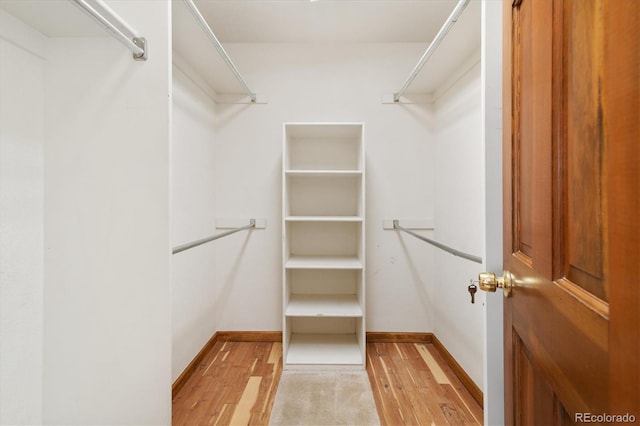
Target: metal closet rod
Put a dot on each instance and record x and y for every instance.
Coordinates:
(187, 246)
(205, 27)
(448, 24)
(396, 225)
(102, 14)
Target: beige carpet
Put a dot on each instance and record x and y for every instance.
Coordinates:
(324, 398)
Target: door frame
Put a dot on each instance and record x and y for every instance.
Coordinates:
(491, 113)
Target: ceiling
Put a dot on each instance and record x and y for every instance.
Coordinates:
(347, 21)
(53, 18)
(328, 21)
(269, 21)
(287, 21)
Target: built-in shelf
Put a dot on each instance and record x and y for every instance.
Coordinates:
(323, 262)
(323, 245)
(317, 305)
(323, 173)
(323, 219)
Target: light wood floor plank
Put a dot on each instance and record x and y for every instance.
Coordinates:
(242, 413)
(276, 353)
(432, 364)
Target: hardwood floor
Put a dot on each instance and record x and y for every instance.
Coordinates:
(412, 385)
(236, 382)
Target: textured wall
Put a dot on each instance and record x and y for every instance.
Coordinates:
(459, 220)
(107, 308)
(193, 286)
(22, 63)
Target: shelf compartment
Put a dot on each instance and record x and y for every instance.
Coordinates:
(328, 195)
(314, 349)
(323, 305)
(323, 262)
(323, 146)
(323, 281)
(323, 293)
(323, 238)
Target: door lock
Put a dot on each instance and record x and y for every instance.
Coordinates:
(489, 282)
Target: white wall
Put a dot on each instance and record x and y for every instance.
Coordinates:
(107, 342)
(193, 213)
(22, 53)
(459, 219)
(324, 83)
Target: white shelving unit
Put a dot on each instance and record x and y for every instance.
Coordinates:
(323, 245)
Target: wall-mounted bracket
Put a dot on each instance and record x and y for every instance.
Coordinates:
(141, 42)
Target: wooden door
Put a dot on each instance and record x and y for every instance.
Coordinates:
(571, 189)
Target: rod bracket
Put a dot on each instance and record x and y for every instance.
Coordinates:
(141, 42)
(396, 223)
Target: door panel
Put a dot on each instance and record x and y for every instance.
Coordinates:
(564, 339)
(582, 136)
(532, 128)
(548, 410)
(562, 151)
(524, 59)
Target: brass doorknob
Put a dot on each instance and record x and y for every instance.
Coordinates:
(489, 282)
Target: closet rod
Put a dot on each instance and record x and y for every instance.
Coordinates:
(448, 24)
(183, 247)
(102, 14)
(396, 225)
(205, 27)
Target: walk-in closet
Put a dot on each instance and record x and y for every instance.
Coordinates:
(279, 128)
